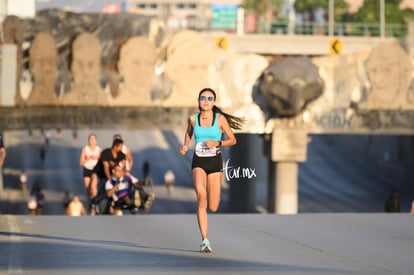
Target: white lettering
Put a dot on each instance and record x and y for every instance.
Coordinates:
(231, 172)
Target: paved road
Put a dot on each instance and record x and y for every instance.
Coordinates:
(60, 169)
(377, 244)
(341, 174)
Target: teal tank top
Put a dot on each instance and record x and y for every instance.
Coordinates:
(202, 134)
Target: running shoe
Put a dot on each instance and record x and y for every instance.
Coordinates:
(205, 246)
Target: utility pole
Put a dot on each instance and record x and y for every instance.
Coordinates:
(382, 18)
(331, 18)
(292, 17)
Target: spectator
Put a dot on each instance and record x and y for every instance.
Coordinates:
(169, 179)
(3, 151)
(393, 203)
(23, 181)
(66, 200)
(2, 158)
(43, 153)
(118, 189)
(32, 204)
(36, 193)
(76, 207)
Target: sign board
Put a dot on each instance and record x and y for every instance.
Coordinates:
(335, 46)
(222, 42)
(112, 8)
(224, 16)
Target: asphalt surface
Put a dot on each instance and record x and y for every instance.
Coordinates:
(59, 171)
(346, 174)
(242, 244)
(340, 228)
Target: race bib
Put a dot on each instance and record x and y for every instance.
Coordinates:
(202, 150)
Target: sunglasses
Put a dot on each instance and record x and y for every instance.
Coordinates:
(204, 98)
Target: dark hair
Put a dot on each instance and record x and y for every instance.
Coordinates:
(117, 136)
(117, 142)
(234, 121)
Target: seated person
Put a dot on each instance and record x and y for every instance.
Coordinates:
(75, 207)
(118, 189)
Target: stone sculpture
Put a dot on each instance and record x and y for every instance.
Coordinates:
(236, 74)
(187, 67)
(390, 74)
(287, 86)
(86, 71)
(43, 68)
(136, 69)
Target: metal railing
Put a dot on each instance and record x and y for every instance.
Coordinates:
(351, 29)
(304, 28)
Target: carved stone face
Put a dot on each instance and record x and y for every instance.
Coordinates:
(136, 66)
(13, 30)
(187, 67)
(43, 66)
(389, 70)
(289, 85)
(86, 63)
(43, 58)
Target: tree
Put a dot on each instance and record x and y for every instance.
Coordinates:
(370, 13)
(309, 6)
(265, 10)
(262, 7)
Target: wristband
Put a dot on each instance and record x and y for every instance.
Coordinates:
(219, 143)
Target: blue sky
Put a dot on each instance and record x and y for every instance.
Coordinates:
(81, 5)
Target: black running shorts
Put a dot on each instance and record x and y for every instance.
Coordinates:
(208, 164)
(87, 173)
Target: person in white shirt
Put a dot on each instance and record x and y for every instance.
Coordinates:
(88, 159)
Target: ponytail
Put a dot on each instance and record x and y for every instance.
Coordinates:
(234, 121)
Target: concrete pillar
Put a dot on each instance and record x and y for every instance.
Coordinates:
(289, 146)
(8, 74)
(283, 190)
(286, 188)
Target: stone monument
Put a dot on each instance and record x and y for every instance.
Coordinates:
(86, 71)
(43, 68)
(390, 74)
(136, 69)
(288, 86)
(187, 67)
